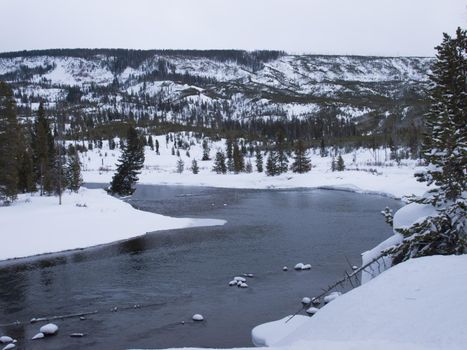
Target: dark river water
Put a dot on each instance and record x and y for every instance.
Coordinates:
(171, 275)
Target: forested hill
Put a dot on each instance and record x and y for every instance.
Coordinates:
(312, 96)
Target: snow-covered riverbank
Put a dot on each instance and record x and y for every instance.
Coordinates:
(36, 225)
(366, 170)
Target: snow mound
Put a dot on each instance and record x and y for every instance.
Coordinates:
(332, 296)
(49, 329)
(6, 339)
(9, 346)
(268, 334)
(39, 335)
(312, 310)
(198, 317)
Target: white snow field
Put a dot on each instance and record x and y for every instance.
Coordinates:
(386, 178)
(36, 225)
(418, 304)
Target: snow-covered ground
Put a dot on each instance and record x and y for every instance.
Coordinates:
(362, 175)
(36, 225)
(419, 304)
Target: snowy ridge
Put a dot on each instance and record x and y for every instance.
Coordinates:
(291, 86)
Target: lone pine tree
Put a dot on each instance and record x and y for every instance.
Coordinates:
(130, 164)
(219, 163)
(44, 152)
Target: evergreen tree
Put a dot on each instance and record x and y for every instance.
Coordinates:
(229, 154)
(74, 179)
(44, 152)
(151, 143)
(302, 163)
(259, 160)
(180, 165)
(26, 171)
(9, 145)
(333, 164)
(282, 159)
(271, 164)
(445, 153)
(445, 147)
(157, 146)
(205, 151)
(322, 149)
(248, 167)
(238, 159)
(194, 167)
(130, 164)
(340, 166)
(219, 163)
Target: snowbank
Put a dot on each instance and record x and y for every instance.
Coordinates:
(404, 217)
(419, 303)
(36, 225)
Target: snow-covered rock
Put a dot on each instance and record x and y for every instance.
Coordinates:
(243, 285)
(198, 317)
(332, 296)
(312, 310)
(299, 266)
(285, 268)
(39, 335)
(267, 334)
(306, 301)
(239, 279)
(315, 301)
(306, 267)
(232, 283)
(9, 346)
(49, 329)
(4, 339)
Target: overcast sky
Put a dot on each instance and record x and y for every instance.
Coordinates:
(362, 27)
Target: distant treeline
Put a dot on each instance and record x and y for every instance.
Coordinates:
(123, 58)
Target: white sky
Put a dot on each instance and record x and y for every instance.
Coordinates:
(362, 27)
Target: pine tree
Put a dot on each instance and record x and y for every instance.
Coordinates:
(151, 143)
(302, 163)
(194, 167)
(340, 166)
(74, 179)
(282, 159)
(205, 151)
(219, 163)
(180, 165)
(445, 147)
(130, 164)
(259, 160)
(238, 159)
(44, 152)
(248, 167)
(229, 154)
(322, 149)
(9, 145)
(271, 164)
(445, 153)
(333, 164)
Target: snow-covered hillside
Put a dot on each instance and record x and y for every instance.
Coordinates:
(283, 88)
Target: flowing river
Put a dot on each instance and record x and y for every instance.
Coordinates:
(147, 289)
